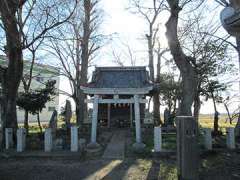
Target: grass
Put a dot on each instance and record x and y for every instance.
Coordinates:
(206, 121)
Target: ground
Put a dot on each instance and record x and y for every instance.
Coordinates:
(215, 166)
(38, 169)
(121, 162)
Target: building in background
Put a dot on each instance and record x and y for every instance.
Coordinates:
(41, 74)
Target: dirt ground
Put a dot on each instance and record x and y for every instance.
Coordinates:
(39, 169)
(215, 166)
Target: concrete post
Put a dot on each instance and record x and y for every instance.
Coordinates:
(21, 139)
(138, 145)
(48, 140)
(208, 138)
(157, 139)
(187, 148)
(74, 139)
(230, 138)
(94, 120)
(8, 138)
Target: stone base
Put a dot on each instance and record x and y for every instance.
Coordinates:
(93, 149)
(139, 147)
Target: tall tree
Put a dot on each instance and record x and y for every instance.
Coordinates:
(213, 91)
(186, 64)
(47, 15)
(151, 12)
(235, 4)
(76, 49)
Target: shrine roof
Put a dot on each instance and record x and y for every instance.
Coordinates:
(120, 77)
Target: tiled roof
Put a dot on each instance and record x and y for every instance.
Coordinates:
(120, 77)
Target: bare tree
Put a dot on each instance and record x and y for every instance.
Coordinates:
(185, 63)
(17, 17)
(75, 45)
(150, 13)
(236, 5)
(123, 52)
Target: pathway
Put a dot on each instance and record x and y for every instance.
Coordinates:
(116, 146)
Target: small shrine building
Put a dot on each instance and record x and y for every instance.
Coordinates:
(118, 95)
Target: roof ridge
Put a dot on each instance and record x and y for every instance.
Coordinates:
(121, 68)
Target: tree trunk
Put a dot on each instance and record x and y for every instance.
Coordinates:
(228, 113)
(183, 62)
(81, 109)
(39, 123)
(26, 120)
(216, 116)
(3, 107)
(85, 59)
(237, 127)
(150, 56)
(197, 106)
(156, 111)
(15, 60)
(156, 99)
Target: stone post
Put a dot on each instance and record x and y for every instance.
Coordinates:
(187, 148)
(9, 138)
(48, 140)
(157, 139)
(230, 138)
(138, 145)
(208, 138)
(21, 139)
(74, 139)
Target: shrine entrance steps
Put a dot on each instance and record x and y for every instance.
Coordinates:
(116, 147)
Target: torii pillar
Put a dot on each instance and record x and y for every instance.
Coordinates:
(138, 145)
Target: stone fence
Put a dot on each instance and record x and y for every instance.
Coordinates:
(49, 142)
(76, 143)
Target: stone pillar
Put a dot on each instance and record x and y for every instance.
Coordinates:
(93, 143)
(208, 138)
(9, 138)
(21, 139)
(138, 145)
(74, 139)
(109, 115)
(187, 148)
(230, 138)
(48, 140)
(157, 139)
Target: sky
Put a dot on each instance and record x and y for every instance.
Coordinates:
(128, 28)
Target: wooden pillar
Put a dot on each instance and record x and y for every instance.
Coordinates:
(187, 148)
(94, 120)
(109, 115)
